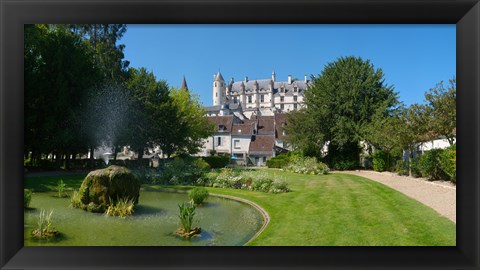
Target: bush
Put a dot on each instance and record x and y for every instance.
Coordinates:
(401, 167)
(27, 197)
(306, 165)
(448, 163)
(180, 171)
(429, 164)
(187, 213)
(61, 189)
(415, 168)
(244, 179)
(279, 161)
(198, 195)
(217, 162)
(381, 161)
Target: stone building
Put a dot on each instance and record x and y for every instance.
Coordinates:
(250, 117)
(256, 97)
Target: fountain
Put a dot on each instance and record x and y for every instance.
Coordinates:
(106, 157)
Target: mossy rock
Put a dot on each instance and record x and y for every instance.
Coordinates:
(112, 183)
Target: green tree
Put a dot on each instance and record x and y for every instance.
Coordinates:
(59, 73)
(188, 126)
(341, 104)
(441, 111)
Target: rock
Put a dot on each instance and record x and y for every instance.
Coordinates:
(102, 186)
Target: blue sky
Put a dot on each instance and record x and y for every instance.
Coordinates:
(413, 57)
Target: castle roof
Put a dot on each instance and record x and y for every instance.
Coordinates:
(219, 77)
(265, 85)
(184, 84)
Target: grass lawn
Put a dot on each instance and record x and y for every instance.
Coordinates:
(329, 210)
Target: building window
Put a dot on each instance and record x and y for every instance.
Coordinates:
(236, 144)
(282, 99)
(234, 99)
(282, 107)
(295, 89)
(264, 159)
(219, 141)
(221, 127)
(262, 98)
(215, 84)
(249, 99)
(295, 98)
(295, 106)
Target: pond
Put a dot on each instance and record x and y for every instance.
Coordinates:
(224, 222)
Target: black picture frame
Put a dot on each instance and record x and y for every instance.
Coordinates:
(464, 13)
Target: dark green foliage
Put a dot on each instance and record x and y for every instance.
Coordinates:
(346, 157)
(306, 165)
(344, 99)
(448, 161)
(401, 167)
(198, 195)
(430, 167)
(217, 162)
(382, 161)
(278, 162)
(415, 168)
(27, 197)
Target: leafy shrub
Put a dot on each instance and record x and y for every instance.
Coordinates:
(198, 195)
(75, 200)
(217, 162)
(306, 165)
(244, 179)
(415, 168)
(187, 213)
(27, 197)
(61, 189)
(381, 161)
(122, 207)
(401, 167)
(429, 164)
(279, 161)
(448, 163)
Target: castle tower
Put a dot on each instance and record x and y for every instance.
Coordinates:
(219, 90)
(184, 84)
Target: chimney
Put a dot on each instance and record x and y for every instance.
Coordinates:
(273, 75)
(246, 79)
(289, 79)
(305, 78)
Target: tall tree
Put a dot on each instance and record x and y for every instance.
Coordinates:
(441, 111)
(59, 71)
(342, 101)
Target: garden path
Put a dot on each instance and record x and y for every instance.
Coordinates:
(439, 195)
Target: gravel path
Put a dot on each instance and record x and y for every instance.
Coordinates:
(439, 195)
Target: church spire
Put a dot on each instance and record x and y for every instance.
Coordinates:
(184, 84)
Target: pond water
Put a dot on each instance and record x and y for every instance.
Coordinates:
(224, 222)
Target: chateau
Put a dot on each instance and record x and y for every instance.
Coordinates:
(249, 117)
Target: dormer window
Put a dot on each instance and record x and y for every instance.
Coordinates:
(295, 89)
(221, 128)
(234, 99)
(282, 99)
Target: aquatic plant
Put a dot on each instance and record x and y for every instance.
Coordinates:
(187, 213)
(122, 207)
(45, 229)
(61, 186)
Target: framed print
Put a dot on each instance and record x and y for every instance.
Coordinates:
(246, 115)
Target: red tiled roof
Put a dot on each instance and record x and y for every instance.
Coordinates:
(265, 125)
(262, 144)
(244, 129)
(280, 122)
(225, 121)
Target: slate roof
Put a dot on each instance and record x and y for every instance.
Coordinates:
(219, 77)
(212, 108)
(264, 85)
(262, 144)
(184, 84)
